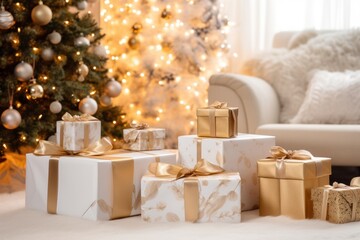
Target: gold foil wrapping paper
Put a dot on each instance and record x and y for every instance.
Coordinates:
(214, 198)
(287, 191)
(217, 122)
(341, 205)
(144, 139)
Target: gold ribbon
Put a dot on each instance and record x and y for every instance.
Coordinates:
(53, 178)
(133, 135)
(212, 108)
(78, 118)
(139, 126)
(49, 148)
(325, 199)
(191, 185)
(355, 182)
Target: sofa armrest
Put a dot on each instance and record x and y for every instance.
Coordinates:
(257, 101)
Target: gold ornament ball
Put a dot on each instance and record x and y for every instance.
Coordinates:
(34, 90)
(133, 43)
(6, 19)
(41, 14)
(54, 37)
(88, 105)
(105, 100)
(23, 71)
(11, 118)
(136, 28)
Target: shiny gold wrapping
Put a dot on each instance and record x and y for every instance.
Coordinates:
(288, 191)
(220, 122)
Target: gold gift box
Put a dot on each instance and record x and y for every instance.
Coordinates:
(217, 122)
(288, 192)
(342, 205)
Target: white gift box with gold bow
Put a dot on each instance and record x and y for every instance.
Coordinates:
(338, 203)
(75, 133)
(238, 154)
(286, 181)
(211, 198)
(144, 139)
(93, 187)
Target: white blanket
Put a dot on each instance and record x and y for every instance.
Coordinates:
(16, 222)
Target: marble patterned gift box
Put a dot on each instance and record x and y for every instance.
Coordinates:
(212, 198)
(75, 133)
(92, 187)
(143, 139)
(286, 181)
(238, 154)
(337, 203)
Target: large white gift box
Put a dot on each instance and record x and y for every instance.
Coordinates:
(75, 133)
(213, 198)
(98, 188)
(238, 154)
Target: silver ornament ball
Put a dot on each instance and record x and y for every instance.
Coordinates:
(88, 105)
(100, 51)
(41, 14)
(55, 107)
(54, 37)
(82, 42)
(34, 90)
(113, 88)
(6, 19)
(47, 54)
(23, 71)
(82, 5)
(105, 100)
(11, 118)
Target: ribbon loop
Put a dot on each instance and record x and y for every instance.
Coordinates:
(218, 104)
(278, 152)
(202, 168)
(355, 182)
(78, 118)
(139, 126)
(49, 148)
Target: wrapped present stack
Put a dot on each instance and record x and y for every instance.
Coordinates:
(286, 180)
(82, 176)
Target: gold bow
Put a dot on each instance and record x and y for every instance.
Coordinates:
(98, 148)
(355, 182)
(336, 185)
(202, 168)
(278, 152)
(77, 118)
(139, 126)
(218, 104)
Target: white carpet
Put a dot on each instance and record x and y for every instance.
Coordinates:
(16, 222)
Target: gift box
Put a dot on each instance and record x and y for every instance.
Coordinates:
(141, 139)
(75, 133)
(212, 198)
(337, 204)
(217, 120)
(238, 154)
(93, 187)
(286, 181)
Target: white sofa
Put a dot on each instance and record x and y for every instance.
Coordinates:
(259, 110)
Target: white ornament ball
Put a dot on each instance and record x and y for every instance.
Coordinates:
(100, 51)
(82, 42)
(6, 19)
(83, 70)
(52, 139)
(41, 14)
(88, 105)
(11, 118)
(54, 37)
(47, 54)
(113, 88)
(82, 5)
(105, 100)
(23, 71)
(55, 107)
(34, 90)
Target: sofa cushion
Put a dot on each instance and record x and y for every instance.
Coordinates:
(331, 98)
(286, 70)
(339, 142)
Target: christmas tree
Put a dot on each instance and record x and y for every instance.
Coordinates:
(164, 51)
(51, 62)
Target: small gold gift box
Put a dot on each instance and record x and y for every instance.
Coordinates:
(286, 181)
(217, 120)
